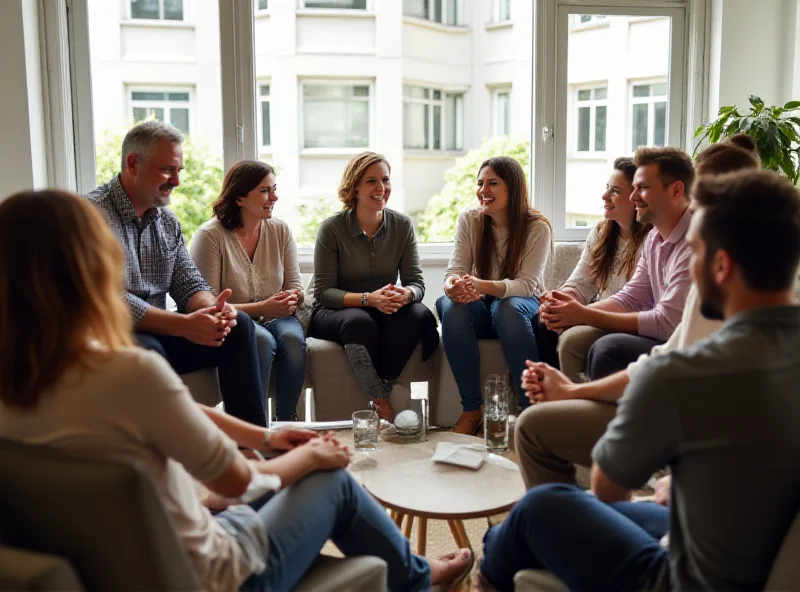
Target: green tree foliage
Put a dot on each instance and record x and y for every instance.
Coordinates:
(437, 223)
(311, 216)
(775, 130)
(201, 178)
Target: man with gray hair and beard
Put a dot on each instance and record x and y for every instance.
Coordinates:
(206, 331)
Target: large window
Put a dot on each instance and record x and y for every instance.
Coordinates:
(501, 11)
(168, 107)
(591, 114)
(607, 82)
(447, 12)
(432, 119)
(345, 4)
(648, 122)
(165, 10)
(264, 121)
(336, 115)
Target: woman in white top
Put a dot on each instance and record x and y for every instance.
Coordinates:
(73, 379)
(608, 260)
(492, 283)
(244, 249)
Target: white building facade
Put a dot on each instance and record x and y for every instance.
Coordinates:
(421, 81)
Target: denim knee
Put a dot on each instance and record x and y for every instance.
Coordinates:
(265, 342)
(513, 314)
(451, 313)
(293, 345)
(544, 503)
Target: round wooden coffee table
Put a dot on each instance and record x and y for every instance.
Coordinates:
(411, 485)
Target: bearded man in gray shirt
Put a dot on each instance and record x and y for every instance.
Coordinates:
(723, 415)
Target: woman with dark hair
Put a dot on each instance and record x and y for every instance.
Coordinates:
(493, 282)
(244, 249)
(358, 257)
(72, 379)
(608, 260)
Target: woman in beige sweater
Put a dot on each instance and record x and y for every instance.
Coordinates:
(493, 282)
(245, 249)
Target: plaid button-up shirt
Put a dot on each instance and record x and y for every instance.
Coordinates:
(156, 259)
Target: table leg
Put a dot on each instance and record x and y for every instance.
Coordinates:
(409, 523)
(463, 531)
(393, 515)
(422, 535)
(398, 519)
(456, 533)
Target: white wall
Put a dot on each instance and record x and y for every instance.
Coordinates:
(23, 160)
(753, 51)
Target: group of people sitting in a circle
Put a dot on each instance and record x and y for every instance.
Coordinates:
(83, 299)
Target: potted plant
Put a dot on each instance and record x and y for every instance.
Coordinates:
(775, 131)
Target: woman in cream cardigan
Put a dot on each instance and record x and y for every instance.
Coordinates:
(493, 283)
(247, 250)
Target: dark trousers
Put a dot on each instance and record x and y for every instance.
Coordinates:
(236, 361)
(588, 544)
(612, 353)
(389, 339)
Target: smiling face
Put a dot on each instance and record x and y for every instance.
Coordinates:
(155, 178)
(650, 196)
(259, 201)
(492, 194)
(374, 188)
(617, 204)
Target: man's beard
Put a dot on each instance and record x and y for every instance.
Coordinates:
(711, 298)
(160, 200)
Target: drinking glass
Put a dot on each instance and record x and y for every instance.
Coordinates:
(365, 431)
(495, 413)
(411, 425)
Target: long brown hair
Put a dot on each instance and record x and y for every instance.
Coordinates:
(353, 173)
(601, 262)
(241, 179)
(520, 218)
(62, 286)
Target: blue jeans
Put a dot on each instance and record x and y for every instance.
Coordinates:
(588, 544)
(509, 319)
(331, 505)
(282, 340)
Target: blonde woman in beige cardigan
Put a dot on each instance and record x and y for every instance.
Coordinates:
(245, 249)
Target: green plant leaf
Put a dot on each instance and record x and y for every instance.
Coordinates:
(791, 105)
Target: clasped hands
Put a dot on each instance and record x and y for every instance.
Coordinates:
(560, 310)
(390, 298)
(210, 326)
(463, 289)
(281, 304)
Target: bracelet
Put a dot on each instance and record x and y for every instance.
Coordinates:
(365, 299)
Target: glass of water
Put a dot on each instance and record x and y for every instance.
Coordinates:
(495, 413)
(365, 431)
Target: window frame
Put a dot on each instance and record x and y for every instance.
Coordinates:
(457, 5)
(310, 81)
(257, 7)
(367, 7)
(497, 92)
(650, 101)
(260, 100)
(592, 104)
(497, 10)
(167, 105)
(184, 13)
(551, 92)
(445, 129)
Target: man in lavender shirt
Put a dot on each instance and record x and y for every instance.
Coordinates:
(647, 310)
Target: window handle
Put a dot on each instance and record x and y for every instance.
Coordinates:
(547, 133)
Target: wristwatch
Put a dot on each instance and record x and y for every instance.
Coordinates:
(365, 299)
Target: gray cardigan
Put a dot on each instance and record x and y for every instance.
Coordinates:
(346, 260)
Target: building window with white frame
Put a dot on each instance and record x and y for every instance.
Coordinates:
(172, 107)
(161, 10)
(432, 119)
(502, 111)
(648, 114)
(336, 115)
(339, 4)
(501, 11)
(446, 12)
(591, 118)
(264, 122)
(262, 4)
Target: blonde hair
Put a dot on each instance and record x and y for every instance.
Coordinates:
(62, 287)
(353, 173)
